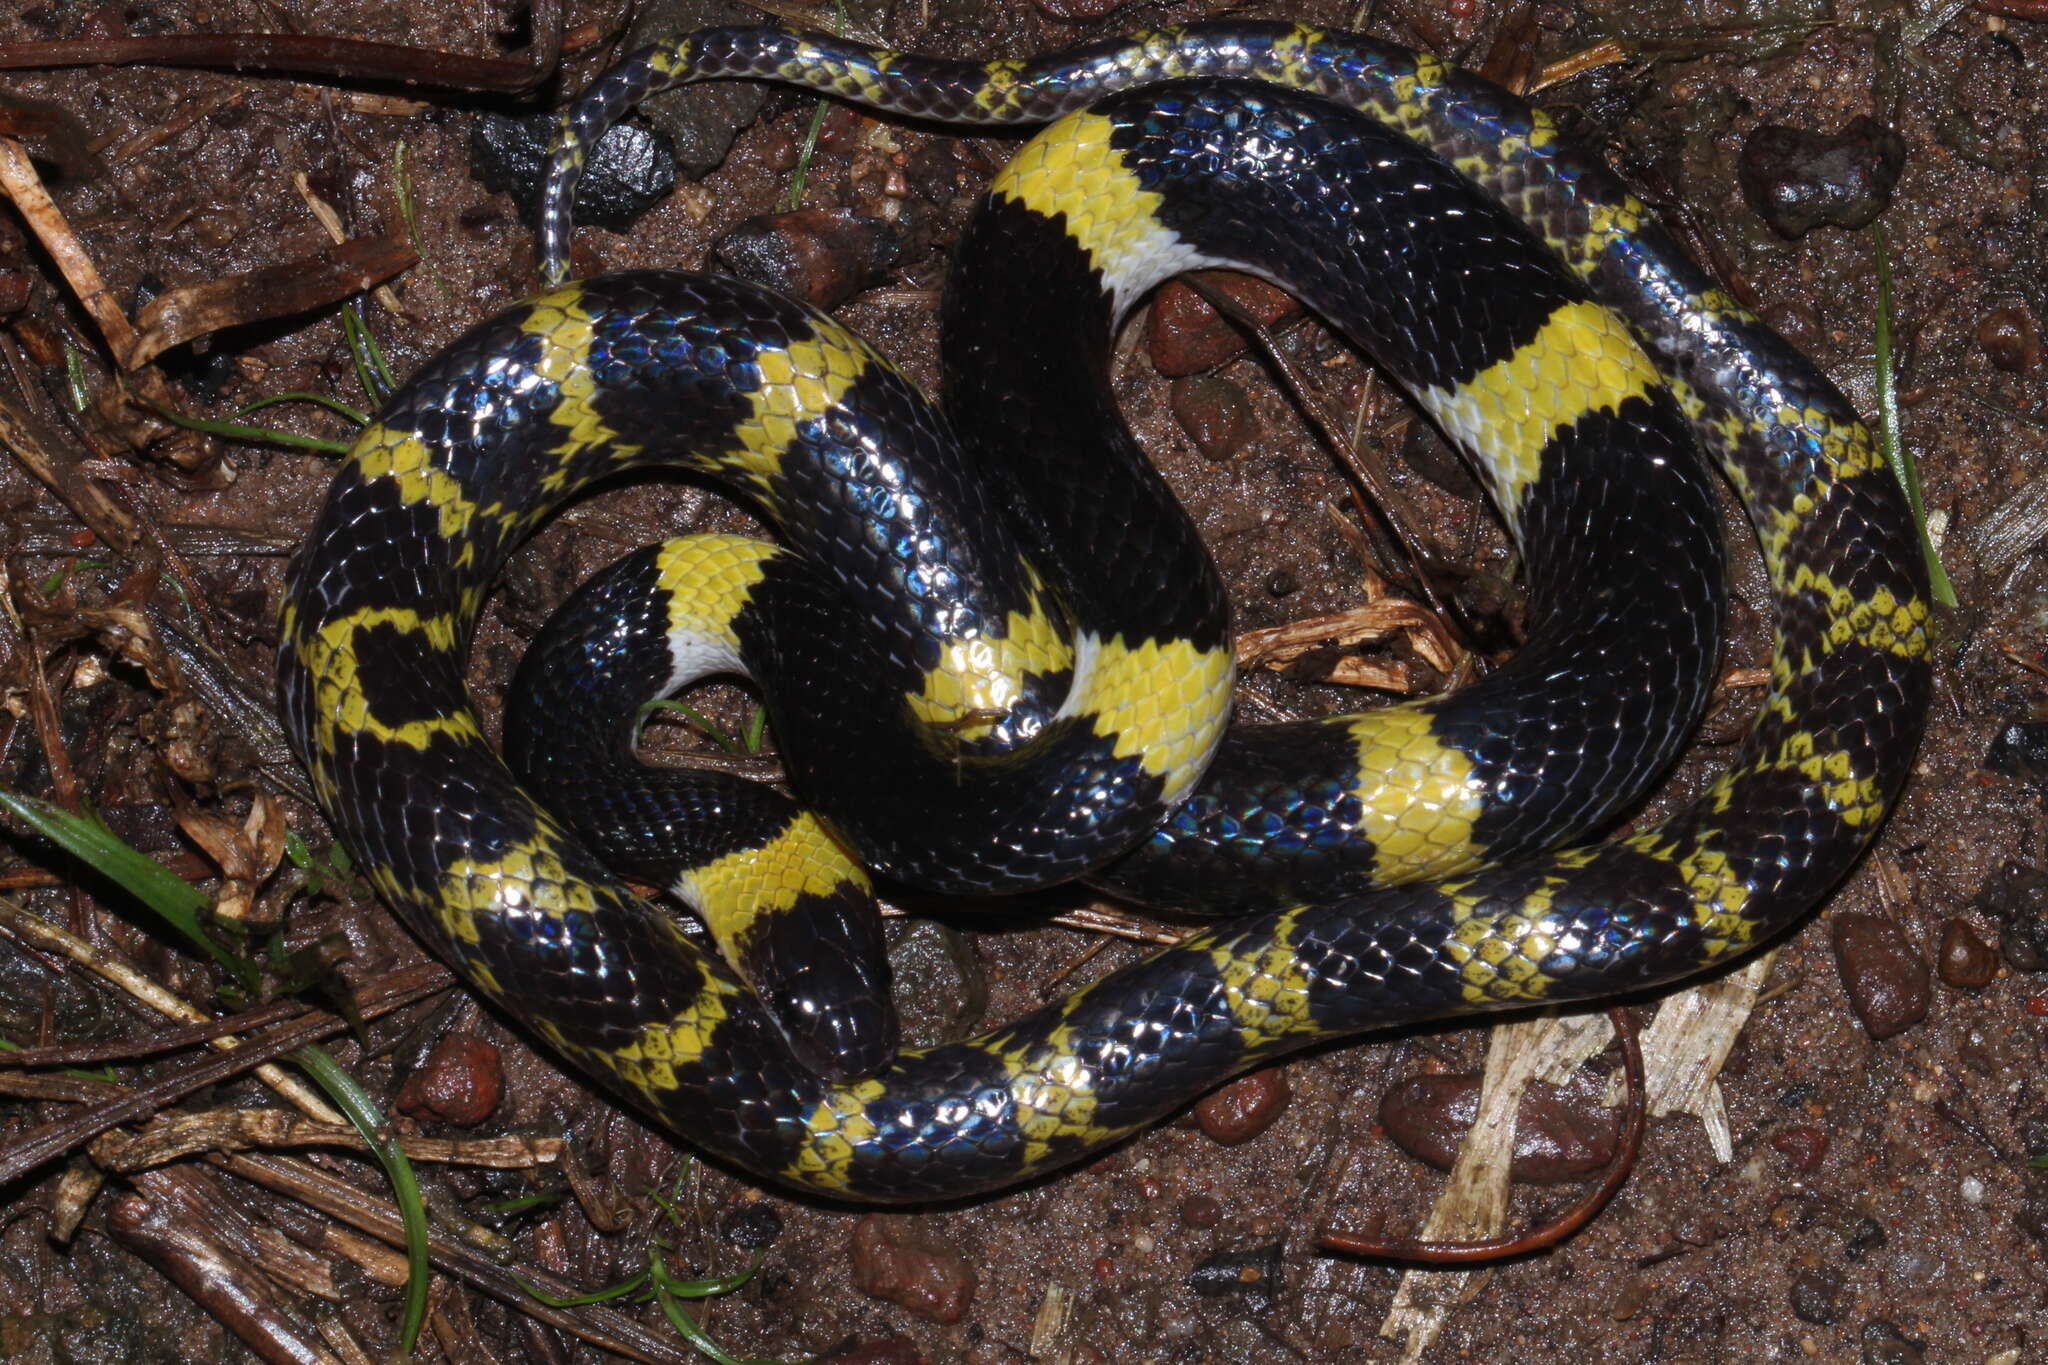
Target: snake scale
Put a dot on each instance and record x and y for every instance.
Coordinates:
(1059, 657)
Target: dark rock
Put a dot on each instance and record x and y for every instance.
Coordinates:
(2020, 749)
(1201, 1211)
(1967, 961)
(1561, 1132)
(14, 290)
(459, 1082)
(1282, 583)
(1886, 979)
(1884, 1344)
(1805, 1146)
(1832, 1226)
(752, 1226)
(1817, 1296)
(700, 121)
(2016, 895)
(1245, 1108)
(2010, 339)
(1798, 180)
(941, 986)
(1424, 450)
(1214, 413)
(629, 171)
(1251, 1275)
(2034, 1140)
(899, 1259)
(2033, 1215)
(1184, 335)
(822, 256)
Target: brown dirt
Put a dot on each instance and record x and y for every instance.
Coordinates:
(1927, 1133)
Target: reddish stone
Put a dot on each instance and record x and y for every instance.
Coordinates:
(1184, 335)
(1561, 1132)
(1967, 962)
(1886, 979)
(897, 1258)
(1245, 1108)
(1806, 1147)
(459, 1083)
(1201, 1211)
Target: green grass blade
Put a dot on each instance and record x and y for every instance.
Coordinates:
(105, 1073)
(334, 405)
(810, 143)
(1895, 453)
(350, 1099)
(705, 1289)
(401, 186)
(235, 431)
(724, 739)
(607, 1295)
(76, 390)
(362, 349)
(175, 902)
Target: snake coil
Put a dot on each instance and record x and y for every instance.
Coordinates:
(655, 367)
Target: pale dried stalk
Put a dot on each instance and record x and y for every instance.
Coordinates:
(19, 179)
(288, 1087)
(1475, 1198)
(235, 1130)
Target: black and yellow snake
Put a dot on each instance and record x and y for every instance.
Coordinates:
(1029, 702)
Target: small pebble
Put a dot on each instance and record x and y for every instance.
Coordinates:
(1282, 583)
(2009, 337)
(2016, 895)
(1201, 1211)
(1252, 1276)
(1805, 1147)
(629, 171)
(1886, 980)
(1245, 1108)
(753, 1226)
(1798, 180)
(1967, 962)
(779, 150)
(459, 1082)
(1561, 1132)
(1184, 335)
(821, 256)
(14, 290)
(1844, 1232)
(1972, 1190)
(1817, 1296)
(221, 225)
(1214, 413)
(900, 1259)
(1635, 1294)
(1884, 1344)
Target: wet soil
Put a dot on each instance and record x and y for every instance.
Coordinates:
(1879, 1204)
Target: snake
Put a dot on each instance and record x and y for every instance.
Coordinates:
(1110, 675)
